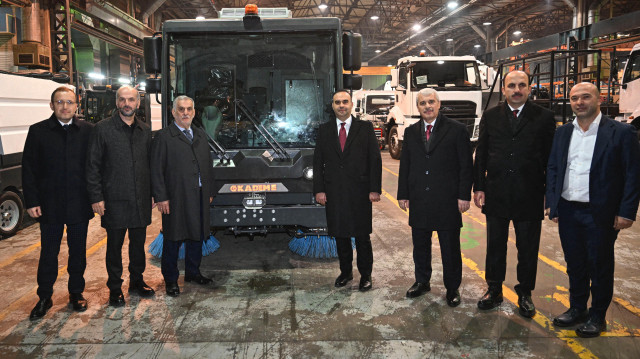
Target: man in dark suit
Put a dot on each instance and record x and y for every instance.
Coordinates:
(509, 181)
(182, 185)
(435, 178)
(593, 189)
(120, 191)
(54, 187)
(347, 178)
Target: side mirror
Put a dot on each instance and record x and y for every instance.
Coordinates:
(152, 54)
(153, 85)
(353, 82)
(351, 51)
(357, 110)
(394, 78)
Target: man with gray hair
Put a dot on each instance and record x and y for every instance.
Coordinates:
(182, 185)
(118, 180)
(435, 180)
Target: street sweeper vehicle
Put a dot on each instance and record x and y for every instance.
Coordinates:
(262, 84)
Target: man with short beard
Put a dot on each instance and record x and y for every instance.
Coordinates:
(119, 184)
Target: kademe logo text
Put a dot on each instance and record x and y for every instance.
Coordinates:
(254, 188)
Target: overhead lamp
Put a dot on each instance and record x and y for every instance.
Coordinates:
(452, 4)
(96, 76)
(440, 62)
(389, 65)
(124, 80)
(199, 18)
(322, 6)
(477, 45)
(517, 32)
(486, 23)
(378, 51)
(449, 40)
(416, 27)
(375, 17)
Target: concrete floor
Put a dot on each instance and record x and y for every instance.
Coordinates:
(267, 302)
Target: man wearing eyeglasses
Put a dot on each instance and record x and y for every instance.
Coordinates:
(119, 184)
(54, 187)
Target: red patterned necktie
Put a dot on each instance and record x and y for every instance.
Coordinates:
(342, 136)
(428, 133)
(515, 113)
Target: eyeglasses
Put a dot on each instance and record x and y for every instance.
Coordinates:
(66, 102)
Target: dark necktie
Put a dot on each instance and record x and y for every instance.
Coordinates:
(514, 123)
(428, 133)
(342, 136)
(66, 127)
(188, 134)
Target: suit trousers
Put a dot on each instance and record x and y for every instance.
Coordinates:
(527, 244)
(449, 251)
(169, 261)
(137, 260)
(588, 251)
(364, 259)
(50, 240)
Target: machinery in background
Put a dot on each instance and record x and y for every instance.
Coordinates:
(630, 90)
(374, 106)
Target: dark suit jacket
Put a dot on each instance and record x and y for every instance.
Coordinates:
(614, 178)
(118, 173)
(510, 164)
(347, 177)
(435, 174)
(53, 175)
(175, 164)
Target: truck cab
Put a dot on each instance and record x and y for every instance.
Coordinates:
(459, 86)
(374, 106)
(630, 90)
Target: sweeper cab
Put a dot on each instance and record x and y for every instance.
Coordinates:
(262, 84)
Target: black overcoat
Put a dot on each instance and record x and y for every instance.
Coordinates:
(510, 164)
(118, 172)
(53, 171)
(347, 177)
(175, 163)
(435, 174)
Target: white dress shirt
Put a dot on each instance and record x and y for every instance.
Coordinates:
(576, 177)
(347, 125)
(513, 109)
(433, 123)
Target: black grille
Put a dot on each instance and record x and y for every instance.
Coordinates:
(462, 111)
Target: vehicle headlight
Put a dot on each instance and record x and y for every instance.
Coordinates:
(308, 173)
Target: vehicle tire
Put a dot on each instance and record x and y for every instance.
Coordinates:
(395, 145)
(11, 213)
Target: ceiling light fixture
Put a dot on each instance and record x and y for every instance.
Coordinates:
(199, 18)
(477, 46)
(449, 40)
(416, 27)
(323, 6)
(487, 23)
(517, 32)
(375, 17)
(452, 4)
(378, 51)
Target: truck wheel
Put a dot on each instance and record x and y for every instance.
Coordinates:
(395, 146)
(11, 213)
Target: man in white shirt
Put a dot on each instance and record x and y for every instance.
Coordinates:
(593, 189)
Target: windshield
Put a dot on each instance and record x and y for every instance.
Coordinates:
(446, 75)
(284, 79)
(632, 71)
(379, 104)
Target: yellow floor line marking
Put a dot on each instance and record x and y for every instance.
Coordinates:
(31, 295)
(565, 335)
(550, 262)
(19, 255)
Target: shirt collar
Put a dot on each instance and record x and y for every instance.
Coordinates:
(593, 127)
(68, 123)
(180, 128)
(432, 123)
(513, 108)
(347, 122)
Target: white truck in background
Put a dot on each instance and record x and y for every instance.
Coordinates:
(459, 86)
(630, 90)
(23, 102)
(374, 106)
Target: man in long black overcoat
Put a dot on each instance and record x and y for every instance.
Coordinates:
(119, 184)
(435, 184)
(509, 185)
(182, 186)
(54, 187)
(347, 178)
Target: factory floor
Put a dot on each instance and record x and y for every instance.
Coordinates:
(267, 302)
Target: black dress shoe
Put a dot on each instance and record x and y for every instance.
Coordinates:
(199, 279)
(142, 289)
(418, 289)
(571, 317)
(41, 308)
(365, 284)
(526, 307)
(592, 328)
(116, 298)
(77, 302)
(453, 298)
(491, 299)
(343, 279)
(172, 289)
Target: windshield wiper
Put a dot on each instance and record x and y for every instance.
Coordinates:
(278, 150)
(216, 147)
